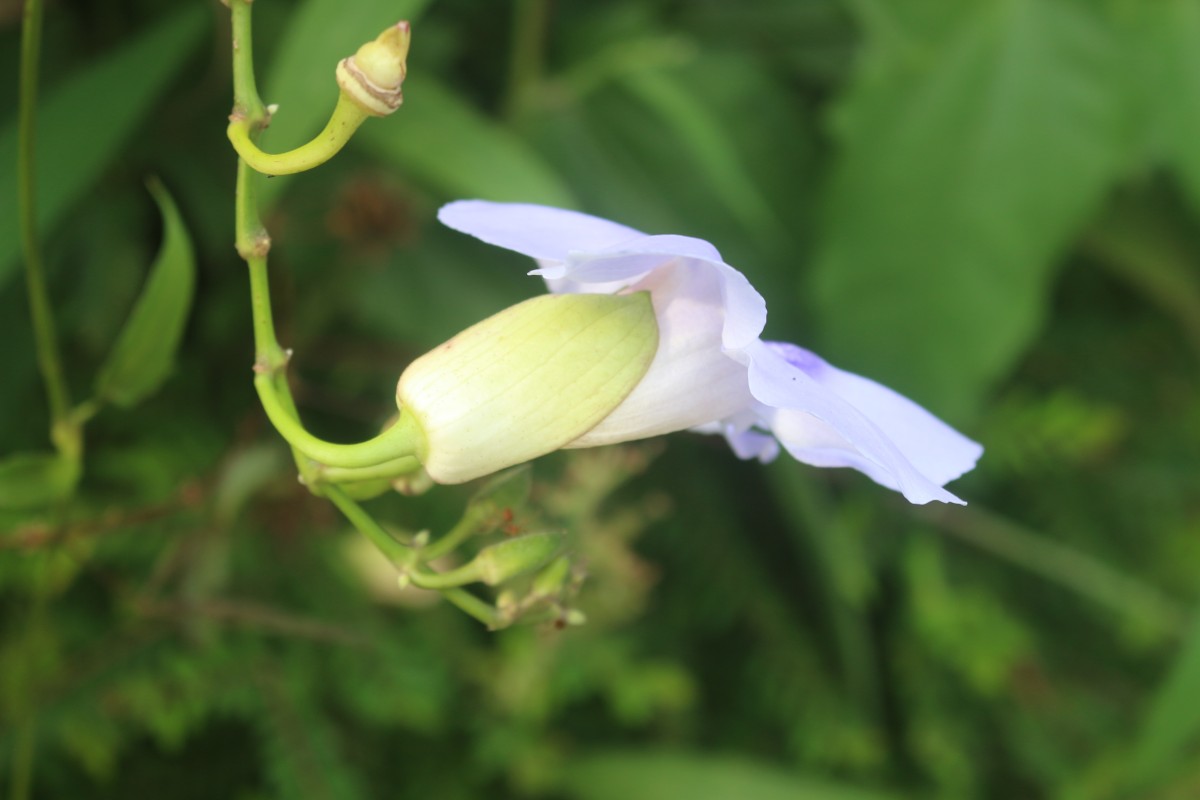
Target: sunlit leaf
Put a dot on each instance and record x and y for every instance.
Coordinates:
(696, 776)
(35, 480)
(964, 174)
(84, 122)
(1162, 76)
(444, 141)
(145, 350)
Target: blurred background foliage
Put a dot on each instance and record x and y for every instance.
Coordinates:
(993, 206)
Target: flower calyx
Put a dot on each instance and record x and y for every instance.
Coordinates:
(526, 381)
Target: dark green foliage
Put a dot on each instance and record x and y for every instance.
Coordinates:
(993, 205)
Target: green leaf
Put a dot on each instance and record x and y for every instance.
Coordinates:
(1143, 242)
(1162, 78)
(695, 776)
(964, 174)
(301, 76)
(84, 122)
(1172, 722)
(682, 116)
(35, 480)
(444, 141)
(145, 350)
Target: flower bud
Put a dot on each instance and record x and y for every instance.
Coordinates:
(552, 580)
(499, 562)
(526, 381)
(372, 76)
(496, 502)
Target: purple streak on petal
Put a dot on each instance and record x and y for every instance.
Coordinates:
(537, 231)
(778, 383)
(808, 361)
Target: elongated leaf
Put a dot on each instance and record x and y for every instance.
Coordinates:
(84, 122)
(145, 350)
(695, 776)
(1172, 722)
(34, 480)
(443, 140)
(301, 76)
(963, 176)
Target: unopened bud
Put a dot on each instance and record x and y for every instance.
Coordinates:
(372, 77)
(527, 381)
(499, 562)
(551, 580)
(502, 495)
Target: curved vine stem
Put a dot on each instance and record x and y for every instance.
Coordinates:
(347, 116)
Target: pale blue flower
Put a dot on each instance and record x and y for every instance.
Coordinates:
(712, 373)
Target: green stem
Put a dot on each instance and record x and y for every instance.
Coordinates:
(484, 612)
(405, 558)
(253, 244)
(399, 441)
(467, 527)
(399, 554)
(347, 116)
(269, 357)
(45, 338)
(450, 579)
(246, 102)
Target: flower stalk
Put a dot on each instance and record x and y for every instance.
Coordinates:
(392, 447)
(370, 86)
(405, 558)
(328, 469)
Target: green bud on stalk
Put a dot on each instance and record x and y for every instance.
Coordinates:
(526, 381)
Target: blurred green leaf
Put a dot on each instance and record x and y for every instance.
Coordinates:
(83, 123)
(1142, 242)
(301, 75)
(1172, 722)
(683, 117)
(1162, 78)
(34, 480)
(963, 175)
(441, 139)
(304, 756)
(1180, 93)
(695, 776)
(505, 492)
(145, 351)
